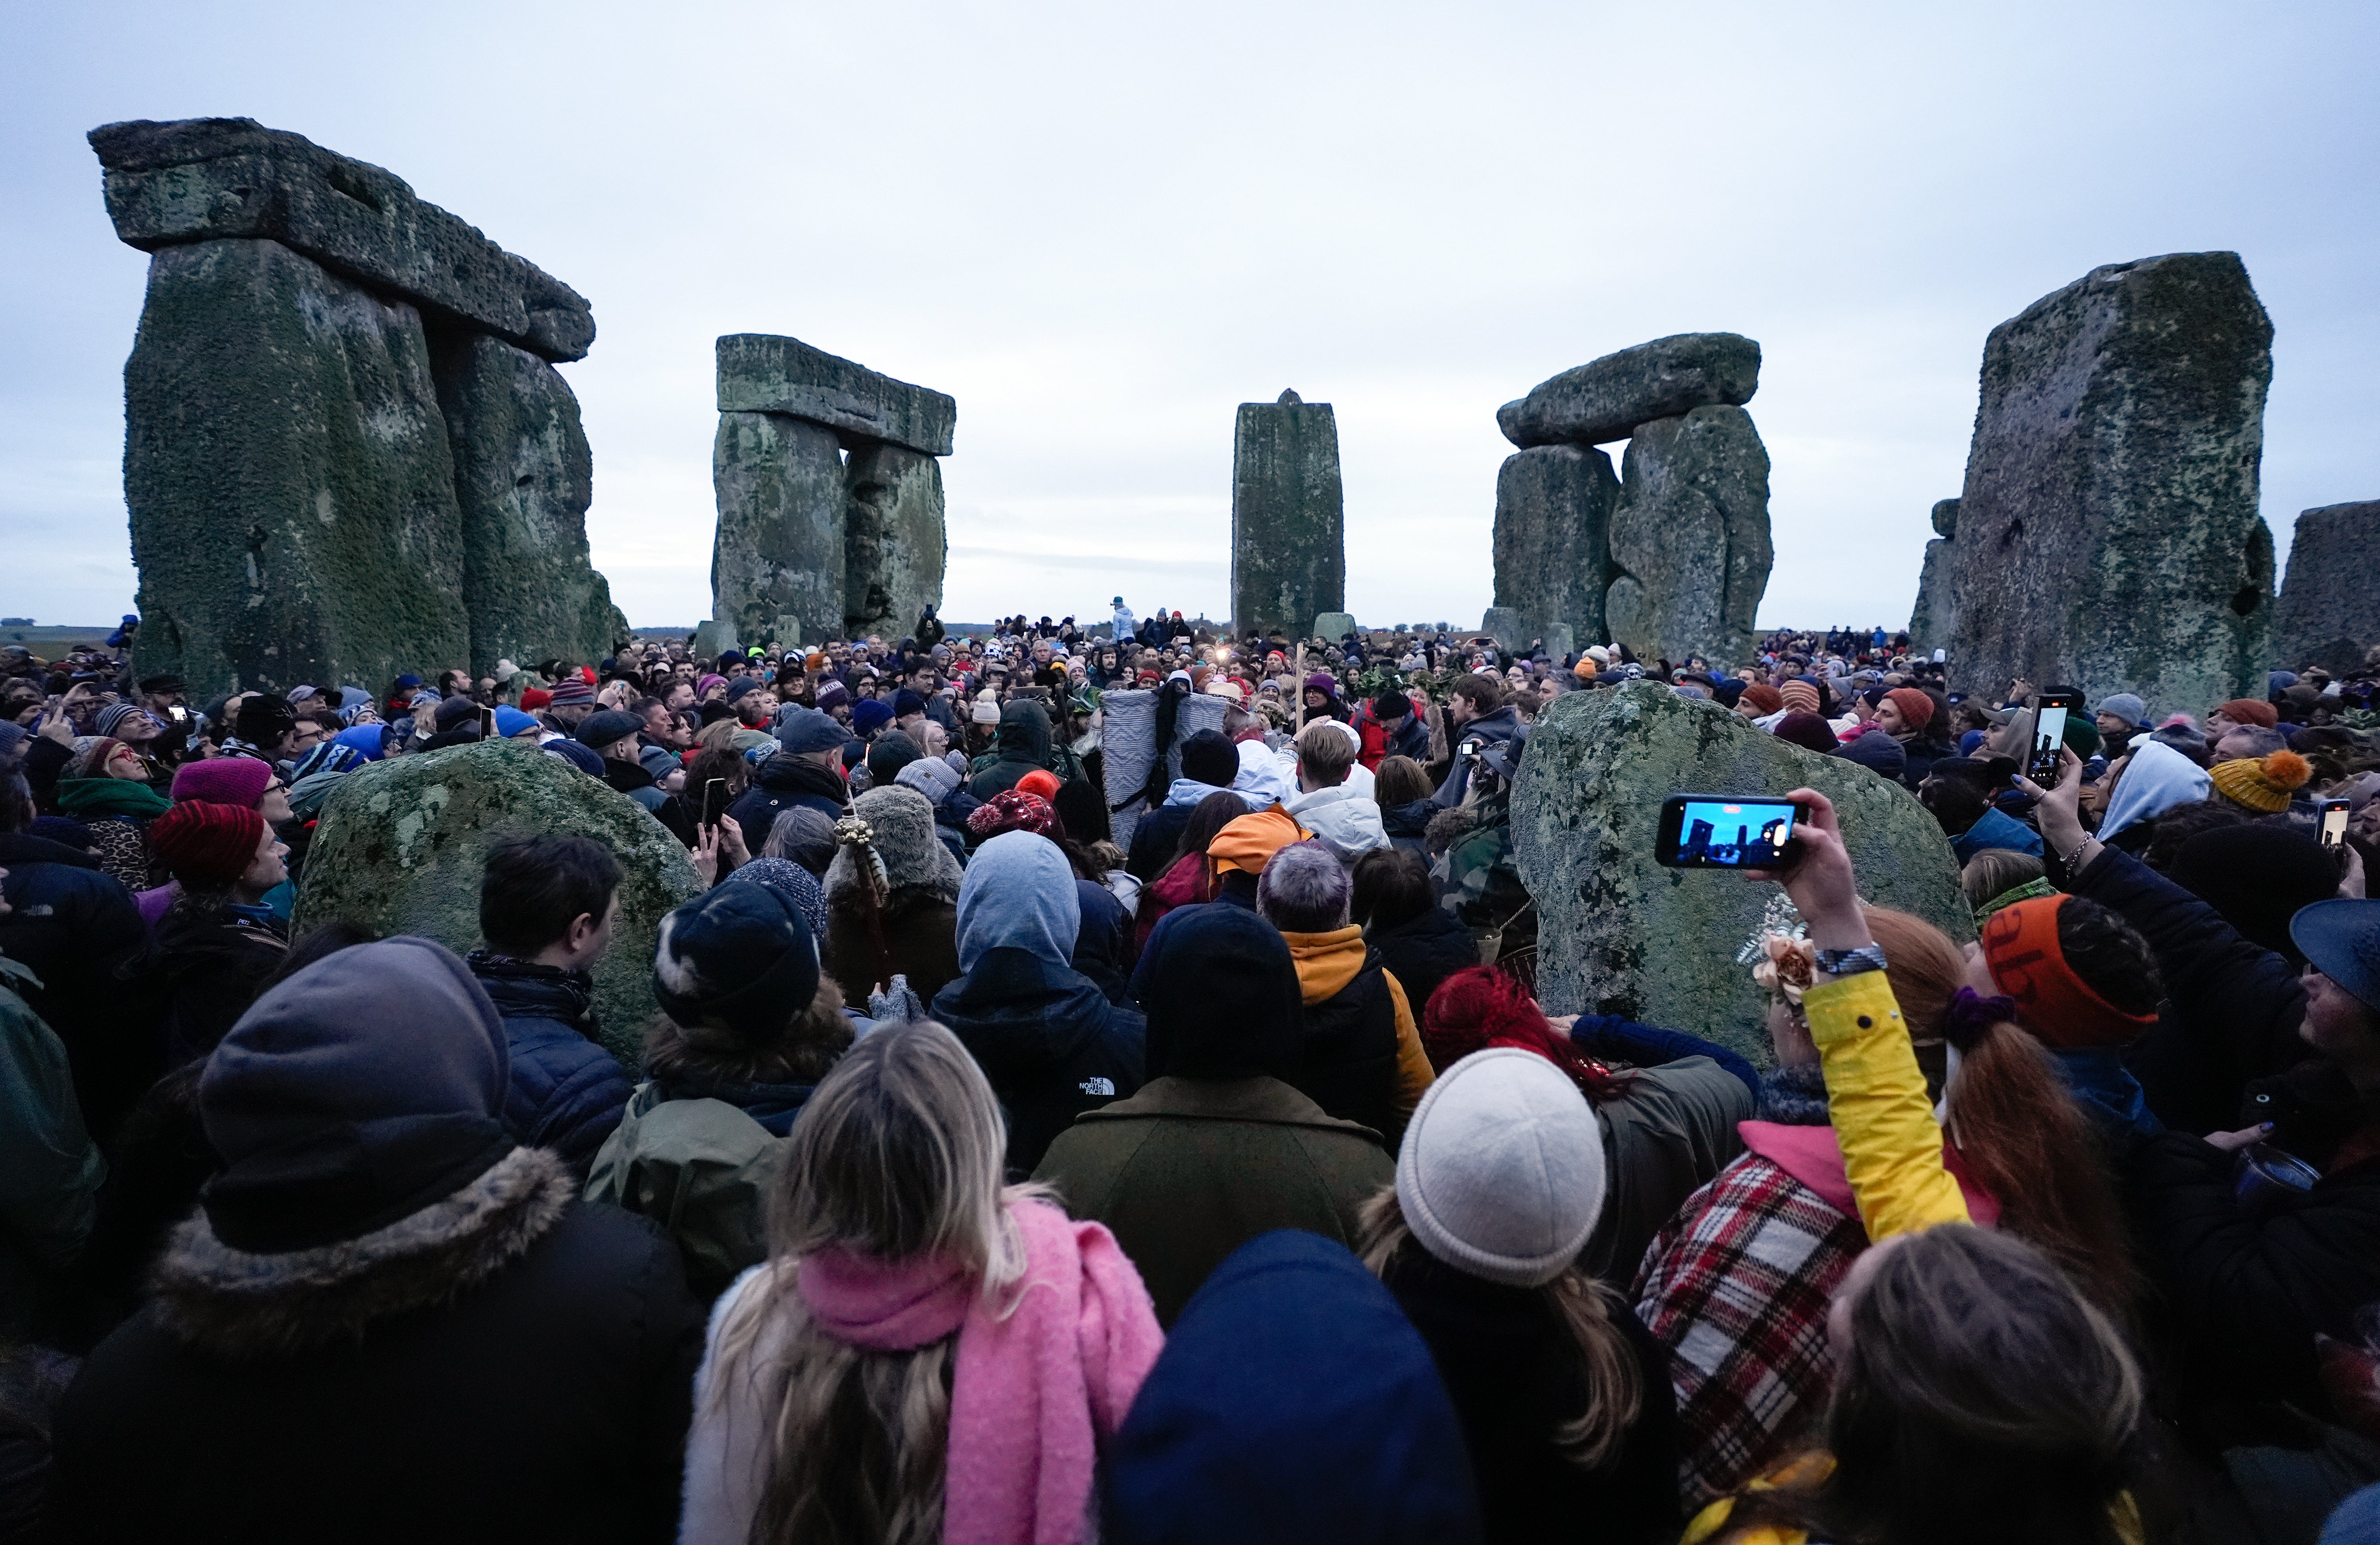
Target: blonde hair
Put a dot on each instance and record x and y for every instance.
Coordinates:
(1591, 1438)
(899, 1154)
(1324, 753)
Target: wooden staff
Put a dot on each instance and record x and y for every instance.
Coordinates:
(1300, 668)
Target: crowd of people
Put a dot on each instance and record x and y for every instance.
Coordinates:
(1019, 1156)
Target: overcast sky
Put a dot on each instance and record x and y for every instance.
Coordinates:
(1101, 227)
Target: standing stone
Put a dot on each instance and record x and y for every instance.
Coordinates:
(1619, 934)
(402, 844)
(1934, 620)
(2329, 612)
(1289, 552)
(1332, 627)
(1606, 399)
(286, 466)
(894, 548)
(1690, 538)
(523, 477)
(1507, 625)
(1553, 539)
(779, 551)
(2108, 535)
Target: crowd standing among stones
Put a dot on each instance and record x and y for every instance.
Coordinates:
(1017, 1156)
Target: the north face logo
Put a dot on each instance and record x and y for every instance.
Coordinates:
(1105, 1088)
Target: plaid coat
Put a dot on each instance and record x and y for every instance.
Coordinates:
(1737, 1287)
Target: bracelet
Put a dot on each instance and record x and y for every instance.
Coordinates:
(2075, 860)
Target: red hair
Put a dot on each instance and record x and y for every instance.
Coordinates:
(1481, 1006)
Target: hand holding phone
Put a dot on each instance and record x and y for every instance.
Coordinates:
(487, 724)
(1725, 831)
(2050, 710)
(2334, 824)
(714, 801)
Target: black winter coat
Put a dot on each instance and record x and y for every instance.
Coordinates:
(212, 964)
(2232, 1008)
(566, 1092)
(79, 933)
(523, 1372)
(783, 781)
(1049, 1041)
(1350, 1066)
(1513, 1373)
(1423, 950)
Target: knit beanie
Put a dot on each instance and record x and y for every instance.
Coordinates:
(1763, 700)
(536, 698)
(1500, 1174)
(1014, 810)
(930, 776)
(1392, 704)
(1916, 708)
(2248, 711)
(870, 713)
(2021, 950)
(570, 691)
(2258, 874)
(986, 710)
(1040, 782)
(2126, 706)
(224, 781)
(264, 719)
(1805, 729)
(1799, 696)
(735, 966)
(206, 846)
(2262, 782)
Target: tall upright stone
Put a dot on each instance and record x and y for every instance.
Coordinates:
(334, 385)
(2108, 536)
(1289, 547)
(524, 478)
(1553, 539)
(779, 551)
(1690, 538)
(1934, 620)
(2329, 612)
(895, 545)
(842, 543)
(286, 466)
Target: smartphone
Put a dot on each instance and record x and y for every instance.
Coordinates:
(2050, 710)
(487, 724)
(2334, 824)
(1724, 831)
(179, 712)
(1957, 698)
(714, 801)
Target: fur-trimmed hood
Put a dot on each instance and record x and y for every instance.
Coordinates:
(241, 1306)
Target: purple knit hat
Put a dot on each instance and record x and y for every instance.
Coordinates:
(222, 781)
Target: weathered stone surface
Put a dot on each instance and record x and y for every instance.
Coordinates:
(402, 843)
(522, 478)
(712, 638)
(894, 548)
(2109, 536)
(1619, 934)
(1946, 518)
(203, 180)
(1289, 550)
(1332, 627)
(2329, 611)
(1934, 620)
(1690, 545)
(762, 372)
(286, 469)
(1507, 625)
(780, 545)
(1609, 398)
(1553, 536)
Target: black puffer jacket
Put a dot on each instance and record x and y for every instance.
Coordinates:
(783, 781)
(79, 933)
(1423, 950)
(567, 1091)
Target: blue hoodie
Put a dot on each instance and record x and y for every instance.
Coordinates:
(1293, 1403)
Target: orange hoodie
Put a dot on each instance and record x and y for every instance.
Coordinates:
(1326, 964)
(1249, 842)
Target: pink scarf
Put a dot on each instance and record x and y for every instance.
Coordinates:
(1031, 1394)
(1814, 1156)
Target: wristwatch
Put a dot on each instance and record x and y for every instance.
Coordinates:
(1844, 963)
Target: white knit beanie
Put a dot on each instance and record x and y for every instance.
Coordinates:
(1500, 1174)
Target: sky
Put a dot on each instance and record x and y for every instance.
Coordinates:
(1101, 227)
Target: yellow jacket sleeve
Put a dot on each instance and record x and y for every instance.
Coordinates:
(1414, 1073)
(1876, 1096)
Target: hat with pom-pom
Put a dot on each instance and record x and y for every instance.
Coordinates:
(2262, 782)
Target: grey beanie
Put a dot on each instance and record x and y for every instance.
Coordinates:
(930, 776)
(2126, 706)
(1500, 1174)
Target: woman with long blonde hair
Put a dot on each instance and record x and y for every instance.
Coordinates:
(927, 1355)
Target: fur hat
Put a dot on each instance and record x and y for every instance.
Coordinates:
(1500, 1174)
(897, 823)
(2262, 782)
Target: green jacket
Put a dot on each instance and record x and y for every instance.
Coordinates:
(50, 1170)
(1187, 1171)
(700, 1168)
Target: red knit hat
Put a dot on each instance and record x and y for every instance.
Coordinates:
(535, 699)
(206, 846)
(222, 781)
(1916, 708)
(1040, 782)
(1480, 1006)
(2248, 711)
